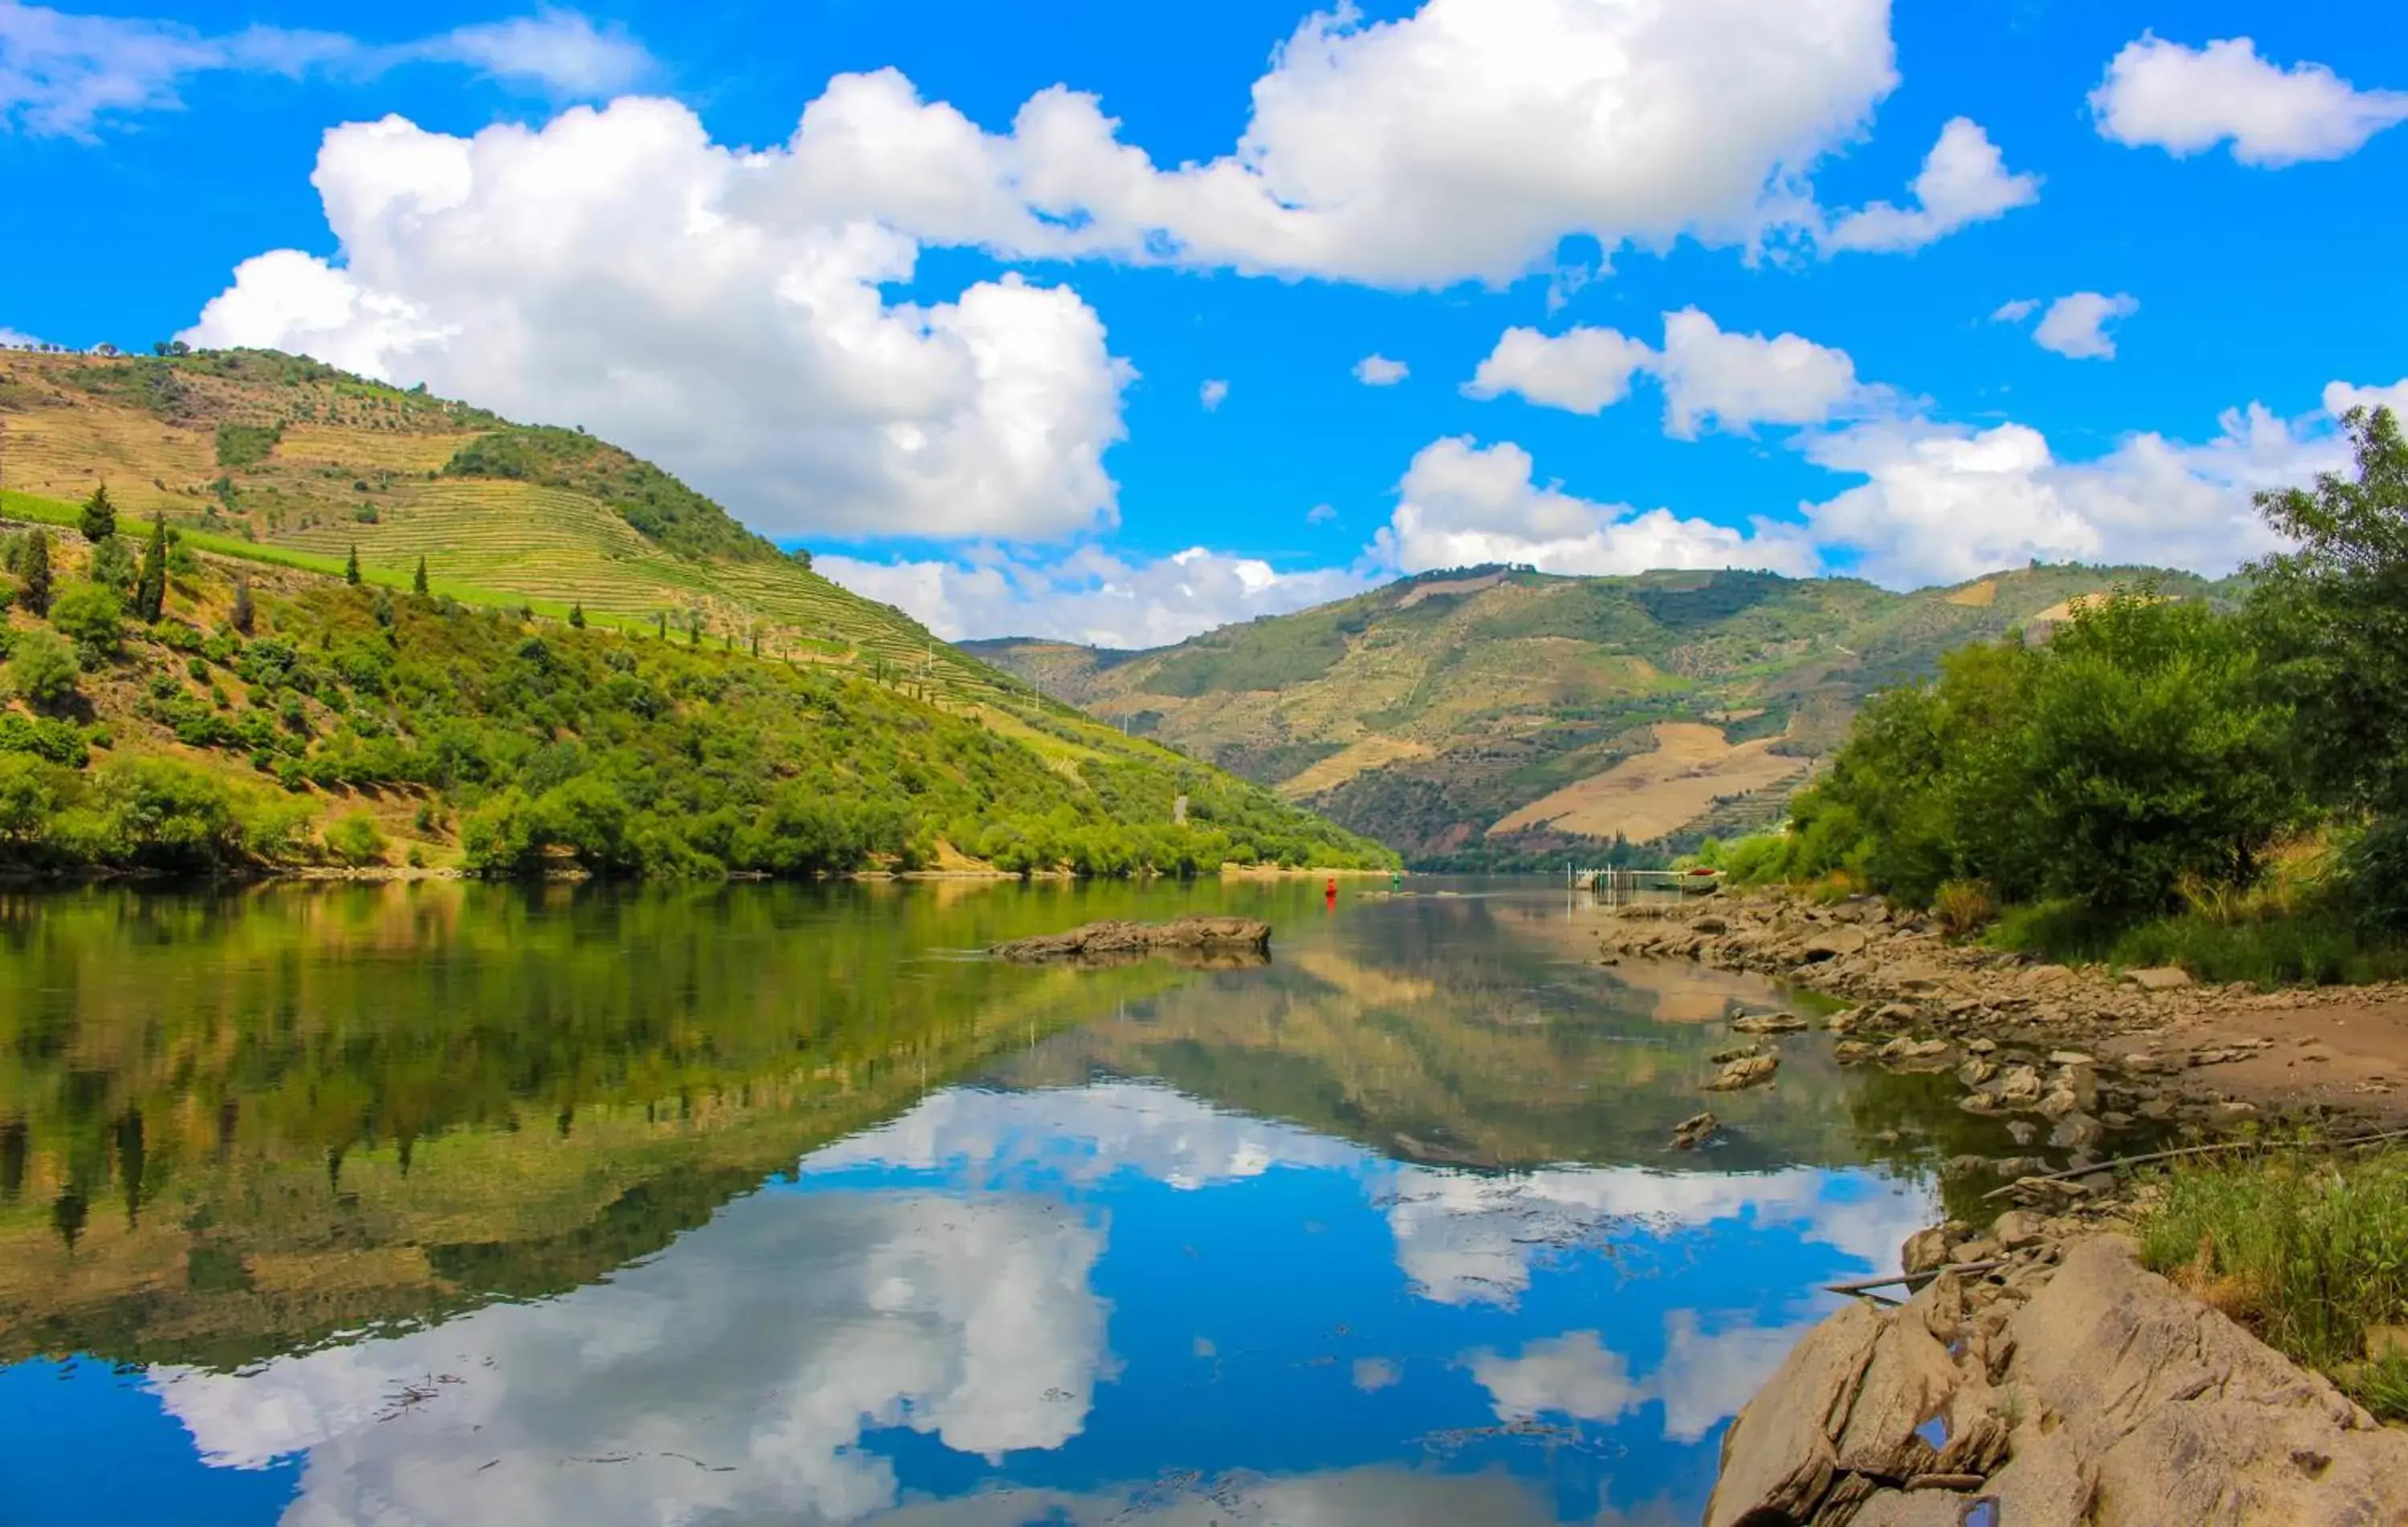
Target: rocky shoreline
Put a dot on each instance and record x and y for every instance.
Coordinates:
(2039, 1375)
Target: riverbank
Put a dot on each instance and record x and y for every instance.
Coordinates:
(2040, 1367)
(2144, 1052)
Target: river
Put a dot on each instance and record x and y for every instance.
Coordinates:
(443, 1204)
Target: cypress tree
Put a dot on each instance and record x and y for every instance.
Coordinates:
(693, 631)
(99, 516)
(37, 573)
(151, 584)
(243, 615)
(577, 617)
(418, 579)
(352, 566)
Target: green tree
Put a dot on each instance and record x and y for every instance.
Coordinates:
(113, 563)
(418, 579)
(352, 566)
(93, 617)
(37, 575)
(42, 670)
(577, 617)
(243, 615)
(2332, 618)
(99, 519)
(151, 584)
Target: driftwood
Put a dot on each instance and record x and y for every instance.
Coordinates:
(1862, 1285)
(1114, 941)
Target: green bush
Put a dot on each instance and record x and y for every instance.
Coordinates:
(355, 840)
(2374, 867)
(94, 618)
(42, 670)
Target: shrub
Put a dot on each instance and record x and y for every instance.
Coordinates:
(2376, 869)
(1964, 907)
(94, 618)
(112, 564)
(42, 670)
(355, 840)
(30, 791)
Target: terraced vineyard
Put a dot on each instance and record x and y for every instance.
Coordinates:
(281, 458)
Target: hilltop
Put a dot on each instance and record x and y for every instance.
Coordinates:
(1500, 716)
(605, 669)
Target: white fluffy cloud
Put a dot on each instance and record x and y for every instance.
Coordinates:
(1213, 394)
(16, 339)
(2016, 310)
(1739, 381)
(1964, 181)
(1380, 371)
(1585, 371)
(1462, 142)
(2076, 325)
(2342, 396)
(1091, 594)
(2188, 100)
(64, 75)
(1462, 505)
(1944, 502)
(616, 270)
(1712, 378)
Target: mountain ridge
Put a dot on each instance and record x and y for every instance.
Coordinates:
(1501, 717)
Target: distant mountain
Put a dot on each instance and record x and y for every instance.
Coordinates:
(1499, 717)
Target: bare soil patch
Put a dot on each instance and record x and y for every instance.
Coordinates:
(1658, 793)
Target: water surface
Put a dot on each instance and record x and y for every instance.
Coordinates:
(446, 1203)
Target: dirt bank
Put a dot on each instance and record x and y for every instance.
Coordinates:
(2154, 1047)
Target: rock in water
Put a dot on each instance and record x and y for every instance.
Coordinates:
(1768, 1023)
(1102, 939)
(1695, 1131)
(1751, 1072)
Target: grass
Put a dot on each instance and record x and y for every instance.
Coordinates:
(2301, 943)
(2309, 1251)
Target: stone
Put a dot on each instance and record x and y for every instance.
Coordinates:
(2056, 1102)
(2070, 1058)
(2016, 1228)
(1768, 1023)
(1981, 1046)
(2077, 1131)
(2162, 978)
(2231, 1111)
(1976, 1071)
(1778, 1458)
(2022, 1132)
(1833, 944)
(1924, 1251)
(1711, 923)
(1851, 1052)
(1739, 1052)
(2019, 1087)
(2176, 1415)
(1694, 1130)
(1752, 1071)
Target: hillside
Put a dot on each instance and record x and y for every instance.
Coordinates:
(515, 717)
(283, 457)
(1497, 717)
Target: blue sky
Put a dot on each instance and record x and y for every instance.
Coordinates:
(1950, 287)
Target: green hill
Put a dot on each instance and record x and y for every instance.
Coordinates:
(1499, 717)
(606, 668)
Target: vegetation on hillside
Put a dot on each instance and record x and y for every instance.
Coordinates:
(2161, 780)
(659, 506)
(514, 745)
(1434, 710)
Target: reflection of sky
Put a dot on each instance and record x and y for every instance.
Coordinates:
(1076, 1304)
